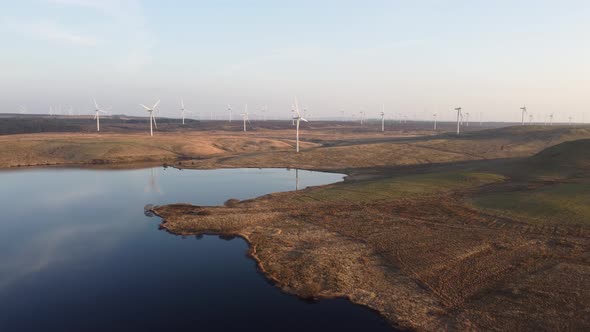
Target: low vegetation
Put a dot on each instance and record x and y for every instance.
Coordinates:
(468, 246)
(487, 231)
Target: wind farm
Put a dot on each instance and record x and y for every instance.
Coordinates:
(303, 167)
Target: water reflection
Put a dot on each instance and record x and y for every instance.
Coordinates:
(77, 253)
(152, 186)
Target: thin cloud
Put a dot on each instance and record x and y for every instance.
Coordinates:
(126, 21)
(52, 31)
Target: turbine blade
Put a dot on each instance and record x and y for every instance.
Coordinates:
(146, 108)
(297, 107)
(154, 118)
(156, 104)
(304, 119)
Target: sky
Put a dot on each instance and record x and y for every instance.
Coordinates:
(410, 58)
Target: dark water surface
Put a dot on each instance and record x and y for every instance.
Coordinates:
(77, 253)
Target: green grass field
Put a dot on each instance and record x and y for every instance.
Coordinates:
(563, 203)
(403, 186)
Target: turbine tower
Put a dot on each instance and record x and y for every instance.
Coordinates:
(245, 116)
(97, 112)
(434, 116)
(183, 111)
(382, 121)
(151, 110)
(467, 119)
(459, 117)
(362, 117)
(523, 109)
(229, 110)
(297, 119)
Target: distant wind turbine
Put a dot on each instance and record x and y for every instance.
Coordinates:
(551, 119)
(151, 110)
(524, 111)
(530, 119)
(245, 116)
(382, 121)
(467, 119)
(23, 109)
(362, 117)
(459, 117)
(97, 112)
(183, 111)
(297, 119)
(434, 116)
(229, 110)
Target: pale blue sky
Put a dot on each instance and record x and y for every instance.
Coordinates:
(416, 57)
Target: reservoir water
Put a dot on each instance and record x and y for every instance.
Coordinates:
(77, 253)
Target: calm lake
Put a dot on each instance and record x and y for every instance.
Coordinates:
(77, 253)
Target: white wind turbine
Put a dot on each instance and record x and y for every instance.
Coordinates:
(467, 119)
(97, 112)
(23, 109)
(245, 116)
(434, 116)
(229, 109)
(152, 118)
(382, 121)
(292, 115)
(459, 118)
(362, 117)
(297, 118)
(551, 119)
(183, 111)
(523, 109)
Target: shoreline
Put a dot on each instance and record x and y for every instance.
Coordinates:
(273, 279)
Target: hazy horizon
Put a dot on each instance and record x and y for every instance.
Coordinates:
(417, 58)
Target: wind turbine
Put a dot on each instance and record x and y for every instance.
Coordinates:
(434, 116)
(97, 112)
(362, 117)
(459, 117)
(151, 110)
(523, 109)
(183, 111)
(382, 121)
(23, 109)
(530, 119)
(551, 119)
(245, 116)
(292, 115)
(229, 109)
(297, 119)
(467, 119)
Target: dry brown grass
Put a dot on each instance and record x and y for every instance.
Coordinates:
(70, 148)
